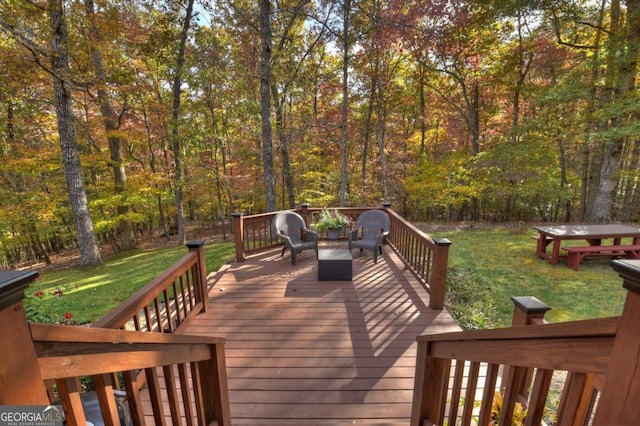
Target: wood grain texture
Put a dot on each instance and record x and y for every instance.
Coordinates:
(303, 351)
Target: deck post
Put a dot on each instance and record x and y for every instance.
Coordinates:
(238, 234)
(527, 310)
(304, 212)
(200, 273)
(430, 387)
(438, 281)
(618, 404)
(21, 379)
(214, 387)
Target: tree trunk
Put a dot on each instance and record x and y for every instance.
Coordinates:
(345, 100)
(89, 253)
(284, 147)
(265, 105)
(110, 122)
(366, 138)
(423, 108)
(175, 136)
(589, 125)
(625, 84)
(380, 136)
(524, 63)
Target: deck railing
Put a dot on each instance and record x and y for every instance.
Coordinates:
(598, 360)
(186, 371)
(137, 348)
(425, 257)
(167, 302)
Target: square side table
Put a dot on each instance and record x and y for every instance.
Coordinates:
(335, 265)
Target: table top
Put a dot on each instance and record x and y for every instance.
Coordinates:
(334, 254)
(608, 230)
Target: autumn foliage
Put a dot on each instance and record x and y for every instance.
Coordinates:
(487, 111)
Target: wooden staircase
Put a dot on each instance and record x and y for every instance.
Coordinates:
(598, 359)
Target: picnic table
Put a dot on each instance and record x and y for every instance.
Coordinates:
(554, 235)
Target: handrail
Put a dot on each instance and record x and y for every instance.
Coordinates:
(425, 257)
(581, 328)
(66, 353)
(132, 351)
(168, 301)
(582, 348)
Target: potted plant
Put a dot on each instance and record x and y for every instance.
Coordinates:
(331, 221)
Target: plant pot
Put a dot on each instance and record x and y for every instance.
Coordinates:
(333, 234)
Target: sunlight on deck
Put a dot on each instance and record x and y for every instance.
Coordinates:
(303, 351)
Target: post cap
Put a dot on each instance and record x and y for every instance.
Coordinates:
(195, 243)
(530, 304)
(629, 270)
(12, 285)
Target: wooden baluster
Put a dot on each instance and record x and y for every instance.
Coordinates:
(108, 407)
(539, 392)
(172, 393)
(69, 392)
(454, 401)
(155, 395)
(187, 400)
(488, 393)
(469, 398)
(133, 397)
(200, 274)
(577, 399)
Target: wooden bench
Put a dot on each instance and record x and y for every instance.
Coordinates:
(575, 254)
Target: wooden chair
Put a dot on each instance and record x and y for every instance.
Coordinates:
(291, 228)
(373, 226)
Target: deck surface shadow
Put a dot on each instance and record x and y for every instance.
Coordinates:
(303, 351)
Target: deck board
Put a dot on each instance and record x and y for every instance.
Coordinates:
(303, 351)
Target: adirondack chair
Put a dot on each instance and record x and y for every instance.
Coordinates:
(372, 226)
(290, 227)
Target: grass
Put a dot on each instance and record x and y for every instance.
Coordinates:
(88, 294)
(488, 267)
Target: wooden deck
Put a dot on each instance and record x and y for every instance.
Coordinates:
(303, 351)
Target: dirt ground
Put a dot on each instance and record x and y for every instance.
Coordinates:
(69, 258)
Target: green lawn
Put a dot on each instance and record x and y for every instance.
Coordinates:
(89, 294)
(488, 267)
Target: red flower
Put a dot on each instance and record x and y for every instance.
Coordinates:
(67, 316)
(38, 293)
(57, 293)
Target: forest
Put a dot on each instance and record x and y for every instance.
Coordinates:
(118, 117)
